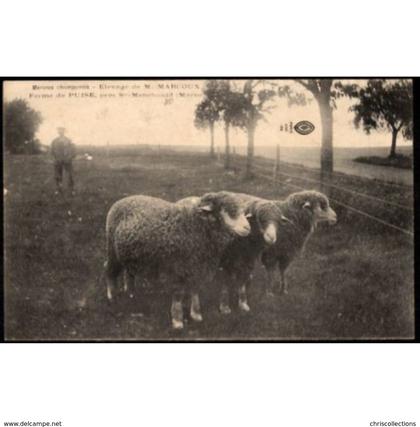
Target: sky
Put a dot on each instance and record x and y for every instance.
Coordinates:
(161, 112)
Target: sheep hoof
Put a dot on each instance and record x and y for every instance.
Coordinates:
(197, 317)
(225, 309)
(177, 324)
(243, 306)
(109, 294)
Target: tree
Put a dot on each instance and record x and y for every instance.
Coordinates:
(231, 104)
(250, 106)
(21, 123)
(206, 115)
(384, 104)
(325, 92)
(219, 104)
(236, 106)
(207, 112)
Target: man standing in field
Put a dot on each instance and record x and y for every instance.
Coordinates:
(63, 151)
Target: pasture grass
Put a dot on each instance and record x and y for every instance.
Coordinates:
(354, 280)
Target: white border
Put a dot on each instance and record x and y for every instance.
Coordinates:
(202, 384)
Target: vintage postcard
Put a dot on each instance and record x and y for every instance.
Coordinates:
(216, 210)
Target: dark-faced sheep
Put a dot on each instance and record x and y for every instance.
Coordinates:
(238, 259)
(150, 236)
(304, 211)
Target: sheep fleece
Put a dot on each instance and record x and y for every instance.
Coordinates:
(146, 234)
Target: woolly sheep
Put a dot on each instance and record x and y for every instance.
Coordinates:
(279, 231)
(304, 210)
(146, 235)
(237, 261)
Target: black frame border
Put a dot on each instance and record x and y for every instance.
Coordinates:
(416, 171)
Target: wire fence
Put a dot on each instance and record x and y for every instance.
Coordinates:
(262, 172)
(337, 174)
(351, 208)
(347, 190)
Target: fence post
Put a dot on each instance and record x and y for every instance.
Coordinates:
(277, 164)
(218, 153)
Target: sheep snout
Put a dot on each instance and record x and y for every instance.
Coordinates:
(239, 225)
(270, 234)
(332, 217)
(325, 215)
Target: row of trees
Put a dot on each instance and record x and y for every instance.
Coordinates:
(380, 104)
(235, 105)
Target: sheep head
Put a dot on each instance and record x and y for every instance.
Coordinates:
(315, 204)
(223, 208)
(267, 216)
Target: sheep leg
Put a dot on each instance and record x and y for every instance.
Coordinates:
(111, 275)
(177, 312)
(110, 288)
(224, 306)
(195, 311)
(284, 288)
(224, 300)
(271, 273)
(129, 280)
(243, 298)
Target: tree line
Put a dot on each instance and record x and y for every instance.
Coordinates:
(380, 104)
(234, 105)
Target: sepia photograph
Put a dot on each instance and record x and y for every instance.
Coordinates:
(225, 209)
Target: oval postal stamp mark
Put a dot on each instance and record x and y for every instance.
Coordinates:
(304, 127)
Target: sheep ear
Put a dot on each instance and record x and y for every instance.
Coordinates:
(306, 205)
(205, 208)
(284, 219)
(248, 215)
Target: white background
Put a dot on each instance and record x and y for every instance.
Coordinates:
(209, 384)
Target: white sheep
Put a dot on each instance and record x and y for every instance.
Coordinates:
(150, 236)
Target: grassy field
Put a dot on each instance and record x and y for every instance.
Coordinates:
(354, 281)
